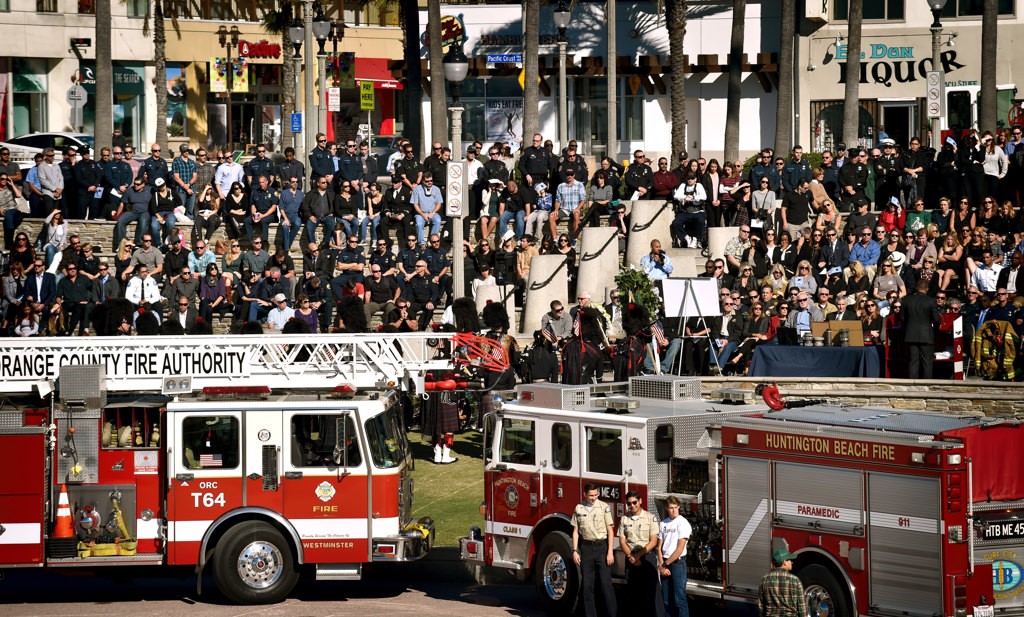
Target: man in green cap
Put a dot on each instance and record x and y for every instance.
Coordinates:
(781, 593)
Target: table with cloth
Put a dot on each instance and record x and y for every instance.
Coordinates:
(798, 361)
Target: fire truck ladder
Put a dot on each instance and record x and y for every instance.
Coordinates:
(293, 362)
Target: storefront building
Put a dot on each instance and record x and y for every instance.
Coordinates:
(896, 53)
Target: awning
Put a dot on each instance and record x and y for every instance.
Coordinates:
(376, 70)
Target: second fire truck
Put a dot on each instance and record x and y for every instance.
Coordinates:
(891, 512)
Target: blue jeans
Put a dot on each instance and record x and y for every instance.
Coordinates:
(673, 590)
(290, 231)
(435, 225)
(520, 224)
(154, 227)
(189, 201)
(721, 356)
(667, 360)
(264, 224)
(141, 228)
(329, 224)
(351, 227)
(51, 251)
(366, 223)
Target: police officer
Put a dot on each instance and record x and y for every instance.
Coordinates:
(260, 166)
(262, 209)
(320, 163)
(853, 178)
(535, 162)
(116, 179)
(88, 177)
(638, 539)
(593, 543)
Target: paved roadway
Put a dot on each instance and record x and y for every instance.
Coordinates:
(34, 593)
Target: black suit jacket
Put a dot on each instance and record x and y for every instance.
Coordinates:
(921, 316)
(848, 315)
(735, 327)
(1004, 278)
(840, 258)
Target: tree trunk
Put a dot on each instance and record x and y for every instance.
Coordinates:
(987, 106)
(676, 23)
(732, 104)
(104, 77)
(851, 102)
(410, 19)
(531, 66)
(784, 109)
(612, 150)
(288, 76)
(160, 64)
(438, 105)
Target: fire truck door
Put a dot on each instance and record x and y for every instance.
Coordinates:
(905, 544)
(514, 480)
(21, 493)
(205, 476)
(263, 443)
(747, 519)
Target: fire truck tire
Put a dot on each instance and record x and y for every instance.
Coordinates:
(823, 594)
(557, 575)
(253, 564)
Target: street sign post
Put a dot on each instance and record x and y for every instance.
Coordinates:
(334, 99)
(504, 58)
(935, 94)
(77, 96)
(367, 102)
(297, 123)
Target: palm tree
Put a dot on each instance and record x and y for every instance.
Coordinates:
(675, 21)
(987, 106)
(531, 52)
(732, 104)
(409, 18)
(612, 150)
(104, 76)
(438, 110)
(851, 103)
(160, 66)
(276, 22)
(784, 109)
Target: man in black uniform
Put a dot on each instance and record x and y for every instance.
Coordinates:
(494, 168)
(433, 162)
(915, 164)
(348, 265)
(639, 178)
(260, 166)
(535, 163)
(423, 294)
(263, 209)
(320, 163)
(516, 204)
(154, 167)
(292, 168)
(381, 293)
(396, 212)
(409, 169)
(439, 266)
(853, 178)
(887, 173)
(88, 178)
(574, 162)
(384, 258)
(921, 318)
(406, 262)
(69, 198)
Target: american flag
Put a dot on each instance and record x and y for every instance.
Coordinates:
(576, 324)
(549, 333)
(211, 460)
(659, 333)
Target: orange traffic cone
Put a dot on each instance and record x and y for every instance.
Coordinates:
(63, 527)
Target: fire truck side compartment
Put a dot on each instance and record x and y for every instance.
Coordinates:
(747, 519)
(22, 491)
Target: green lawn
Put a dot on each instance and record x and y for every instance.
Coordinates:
(450, 494)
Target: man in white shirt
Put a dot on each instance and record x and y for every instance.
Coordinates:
(142, 289)
(986, 274)
(280, 314)
(673, 533)
(227, 174)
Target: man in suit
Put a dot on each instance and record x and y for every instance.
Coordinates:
(843, 312)
(725, 332)
(920, 316)
(1012, 278)
(41, 289)
(834, 253)
(105, 285)
(186, 314)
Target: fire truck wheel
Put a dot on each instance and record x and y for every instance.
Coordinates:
(823, 594)
(557, 576)
(253, 564)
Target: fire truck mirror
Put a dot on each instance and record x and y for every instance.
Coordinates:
(341, 441)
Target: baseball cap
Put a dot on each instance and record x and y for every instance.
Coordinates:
(570, 172)
(158, 182)
(835, 270)
(540, 187)
(183, 148)
(471, 150)
(280, 298)
(781, 555)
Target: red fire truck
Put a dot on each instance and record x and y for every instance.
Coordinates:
(892, 512)
(177, 452)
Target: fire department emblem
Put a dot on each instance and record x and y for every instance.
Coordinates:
(511, 497)
(1007, 577)
(325, 491)
(634, 443)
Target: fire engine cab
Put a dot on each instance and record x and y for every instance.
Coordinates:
(890, 511)
(144, 451)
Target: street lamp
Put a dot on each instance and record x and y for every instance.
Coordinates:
(561, 17)
(936, 6)
(456, 66)
(321, 30)
(297, 34)
(228, 39)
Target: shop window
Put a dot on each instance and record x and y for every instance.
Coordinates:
(210, 442)
(631, 117)
(974, 8)
(314, 437)
(138, 9)
(518, 442)
(5, 6)
(561, 446)
(874, 10)
(46, 6)
(604, 450)
(177, 114)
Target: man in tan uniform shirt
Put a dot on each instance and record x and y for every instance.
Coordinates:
(638, 539)
(593, 545)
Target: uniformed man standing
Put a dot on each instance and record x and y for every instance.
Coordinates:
(638, 539)
(781, 593)
(593, 543)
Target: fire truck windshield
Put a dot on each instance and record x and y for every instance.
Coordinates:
(386, 439)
